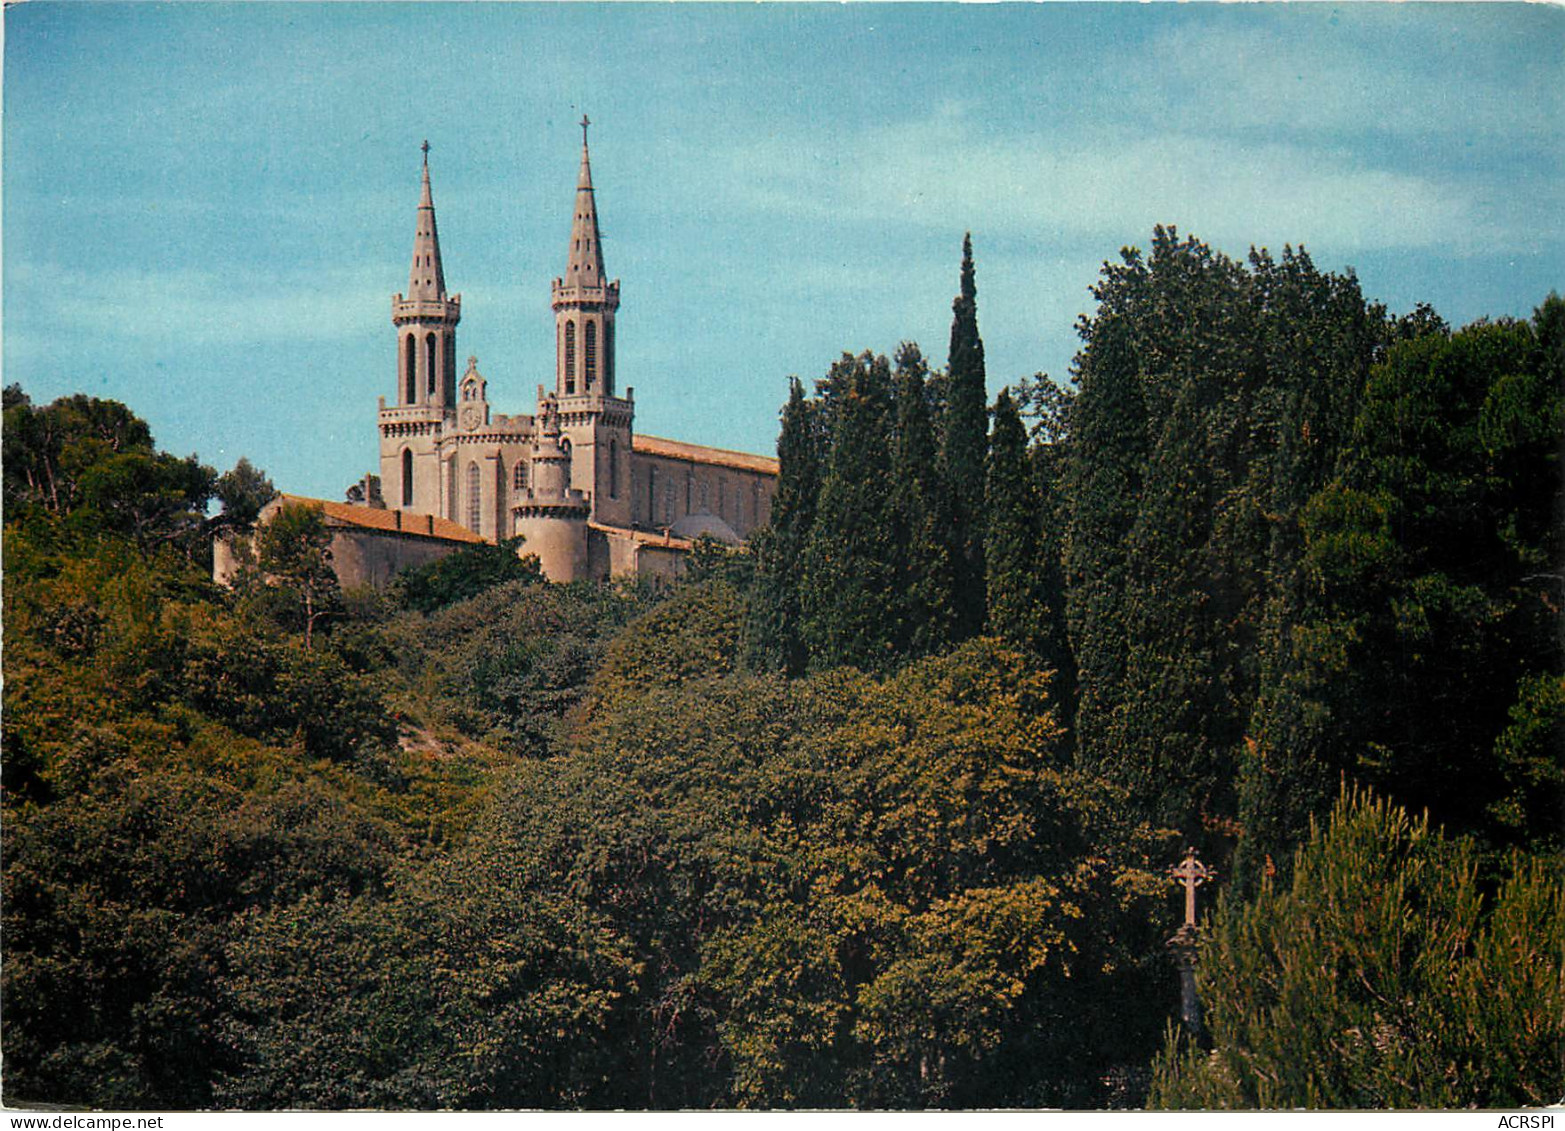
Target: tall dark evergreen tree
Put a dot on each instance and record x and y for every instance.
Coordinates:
(1192, 565)
(921, 503)
(1316, 340)
(1103, 488)
(1017, 605)
(965, 442)
(849, 601)
(773, 634)
(1050, 455)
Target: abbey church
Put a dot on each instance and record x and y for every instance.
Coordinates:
(590, 497)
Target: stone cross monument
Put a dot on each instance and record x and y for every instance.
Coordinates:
(1192, 873)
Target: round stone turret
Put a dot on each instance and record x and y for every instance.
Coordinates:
(551, 516)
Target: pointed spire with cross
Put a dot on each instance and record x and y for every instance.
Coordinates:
(584, 266)
(427, 279)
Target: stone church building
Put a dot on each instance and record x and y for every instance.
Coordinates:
(590, 496)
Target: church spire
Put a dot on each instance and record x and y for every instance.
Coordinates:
(584, 301)
(426, 279)
(584, 264)
(426, 319)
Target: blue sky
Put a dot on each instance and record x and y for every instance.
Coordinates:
(208, 207)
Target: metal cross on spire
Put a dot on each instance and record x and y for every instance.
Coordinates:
(585, 122)
(425, 148)
(1193, 873)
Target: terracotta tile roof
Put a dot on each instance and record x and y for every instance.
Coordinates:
(696, 453)
(390, 521)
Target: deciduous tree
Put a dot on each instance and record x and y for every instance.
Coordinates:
(294, 548)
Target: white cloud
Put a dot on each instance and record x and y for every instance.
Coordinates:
(1384, 69)
(945, 171)
(194, 306)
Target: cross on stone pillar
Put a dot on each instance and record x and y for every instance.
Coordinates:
(1193, 873)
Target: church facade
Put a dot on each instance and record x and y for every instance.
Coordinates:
(590, 496)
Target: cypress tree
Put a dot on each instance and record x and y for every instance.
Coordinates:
(1017, 611)
(1316, 341)
(773, 637)
(921, 504)
(1050, 456)
(1194, 555)
(1103, 486)
(849, 600)
(966, 443)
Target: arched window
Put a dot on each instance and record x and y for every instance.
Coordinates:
(613, 463)
(410, 365)
(448, 344)
(519, 476)
(608, 359)
(652, 495)
(592, 353)
(430, 370)
(690, 490)
(570, 357)
(475, 511)
(407, 477)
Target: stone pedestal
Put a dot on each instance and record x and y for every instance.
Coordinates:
(1183, 948)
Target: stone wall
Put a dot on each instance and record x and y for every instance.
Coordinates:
(369, 545)
(665, 489)
(374, 557)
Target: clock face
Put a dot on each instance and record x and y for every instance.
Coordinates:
(472, 416)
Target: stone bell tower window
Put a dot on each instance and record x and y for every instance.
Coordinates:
(448, 348)
(592, 353)
(407, 472)
(410, 366)
(613, 460)
(570, 356)
(429, 363)
(608, 358)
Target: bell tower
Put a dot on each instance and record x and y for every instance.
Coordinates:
(423, 404)
(426, 319)
(595, 423)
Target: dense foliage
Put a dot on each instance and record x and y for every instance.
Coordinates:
(1391, 973)
(465, 573)
(877, 814)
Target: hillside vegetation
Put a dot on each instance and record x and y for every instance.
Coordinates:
(875, 814)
